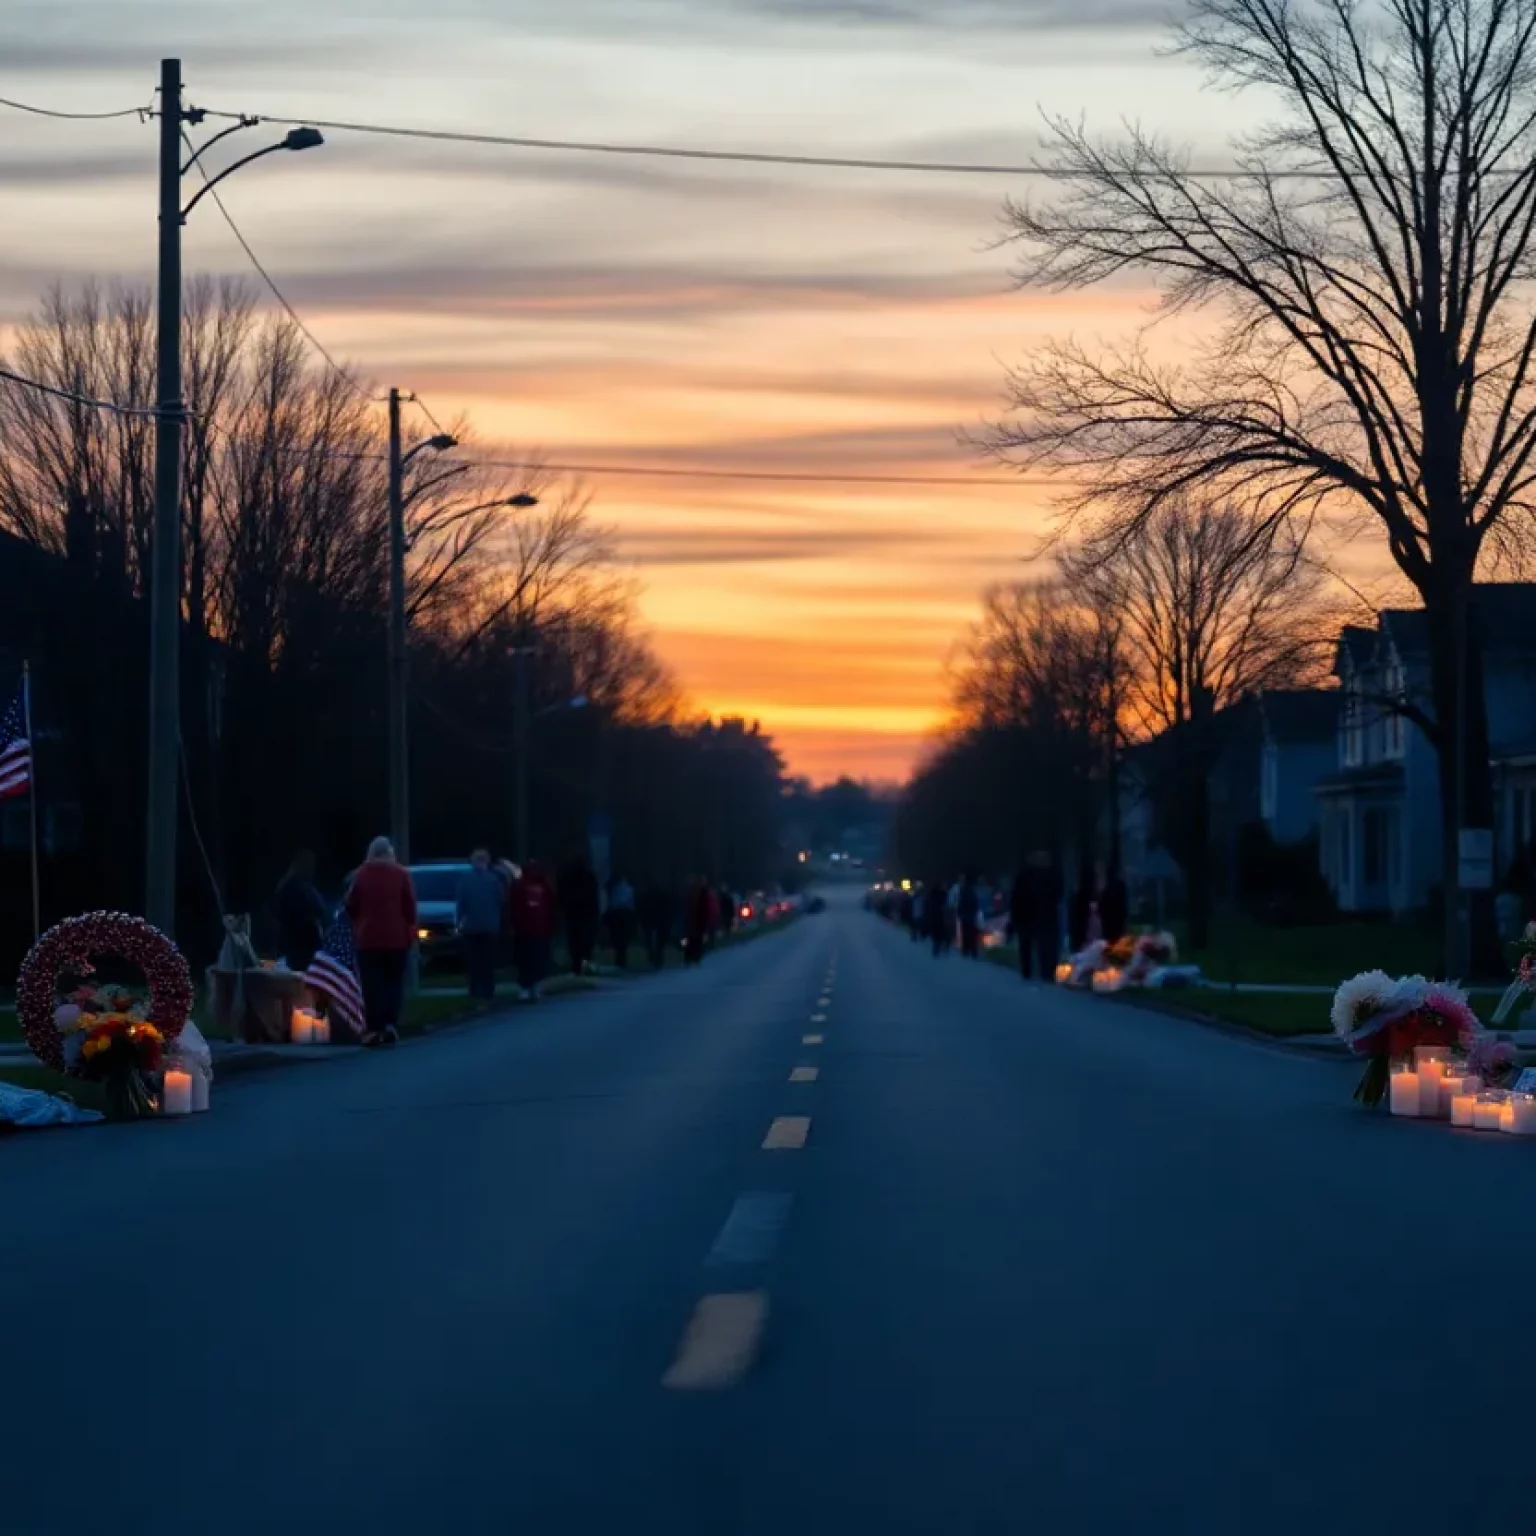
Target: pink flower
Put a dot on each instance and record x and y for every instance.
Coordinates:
(1528, 969)
(1452, 1005)
(1488, 1056)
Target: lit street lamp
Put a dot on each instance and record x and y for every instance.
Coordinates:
(399, 545)
(165, 559)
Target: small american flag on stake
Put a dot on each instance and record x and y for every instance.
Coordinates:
(333, 974)
(15, 748)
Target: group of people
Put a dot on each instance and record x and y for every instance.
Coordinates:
(1099, 908)
(495, 902)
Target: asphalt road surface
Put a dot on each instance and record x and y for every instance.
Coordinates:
(1009, 1261)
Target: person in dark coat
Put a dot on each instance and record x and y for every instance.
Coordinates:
(1114, 904)
(968, 910)
(581, 904)
(940, 918)
(1085, 919)
(696, 922)
(302, 914)
(1035, 916)
(657, 910)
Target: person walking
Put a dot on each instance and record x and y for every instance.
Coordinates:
(696, 922)
(532, 910)
(621, 920)
(941, 918)
(968, 911)
(657, 909)
(479, 907)
(581, 905)
(917, 924)
(302, 914)
(381, 902)
(1035, 916)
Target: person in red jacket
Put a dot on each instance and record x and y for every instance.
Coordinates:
(381, 902)
(533, 911)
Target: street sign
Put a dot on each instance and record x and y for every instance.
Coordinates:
(1475, 862)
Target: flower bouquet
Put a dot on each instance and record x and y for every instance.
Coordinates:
(121, 1052)
(1523, 953)
(1149, 952)
(1084, 963)
(1384, 1020)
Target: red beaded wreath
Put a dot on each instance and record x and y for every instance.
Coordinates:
(70, 945)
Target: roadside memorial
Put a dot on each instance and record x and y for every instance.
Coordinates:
(110, 1034)
(1134, 960)
(1428, 1055)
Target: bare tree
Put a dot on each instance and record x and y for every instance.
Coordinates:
(1367, 276)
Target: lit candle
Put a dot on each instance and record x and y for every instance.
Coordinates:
(1487, 1113)
(1507, 1118)
(1404, 1097)
(1463, 1108)
(322, 1031)
(200, 1085)
(176, 1096)
(303, 1027)
(1429, 1062)
(1522, 1108)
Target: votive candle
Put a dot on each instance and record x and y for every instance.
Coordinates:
(1463, 1108)
(1404, 1095)
(176, 1093)
(303, 1032)
(1523, 1114)
(200, 1086)
(1487, 1113)
(1429, 1063)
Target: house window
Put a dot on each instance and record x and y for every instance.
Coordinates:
(1353, 727)
(1269, 784)
(1394, 689)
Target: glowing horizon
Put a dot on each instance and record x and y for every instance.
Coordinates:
(652, 313)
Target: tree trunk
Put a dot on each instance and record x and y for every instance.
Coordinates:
(1466, 798)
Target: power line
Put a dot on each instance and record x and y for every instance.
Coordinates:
(79, 117)
(682, 472)
(76, 399)
(267, 278)
(426, 410)
(737, 156)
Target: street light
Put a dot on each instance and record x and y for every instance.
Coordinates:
(165, 559)
(399, 546)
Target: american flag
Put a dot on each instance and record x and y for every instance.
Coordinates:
(333, 974)
(15, 749)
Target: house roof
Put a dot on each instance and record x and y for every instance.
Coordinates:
(1506, 612)
(1301, 714)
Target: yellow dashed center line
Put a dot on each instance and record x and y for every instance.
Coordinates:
(812, 1039)
(804, 1074)
(787, 1133)
(720, 1342)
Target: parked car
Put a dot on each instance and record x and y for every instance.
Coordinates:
(437, 920)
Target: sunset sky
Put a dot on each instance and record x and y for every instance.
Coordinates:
(651, 312)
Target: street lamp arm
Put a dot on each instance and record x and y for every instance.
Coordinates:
(199, 152)
(437, 480)
(224, 175)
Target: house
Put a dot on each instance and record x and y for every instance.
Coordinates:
(1381, 843)
(1298, 749)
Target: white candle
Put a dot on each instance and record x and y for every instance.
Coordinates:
(176, 1096)
(303, 1027)
(1486, 1114)
(1431, 1072)
(1523, 1114)
(1507, 1119)
(200, 1086)
(322, 1031)
(1404, 1097)
(1463, 1108)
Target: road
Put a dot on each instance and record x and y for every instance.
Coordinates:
(1041, 1264)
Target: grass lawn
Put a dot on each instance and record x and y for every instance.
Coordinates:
(1281, 1014)
(1244, 950)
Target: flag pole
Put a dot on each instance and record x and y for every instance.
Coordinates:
(26, 705)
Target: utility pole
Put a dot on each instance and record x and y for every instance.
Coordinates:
(399, 736)
(165, 556)
(522, 736)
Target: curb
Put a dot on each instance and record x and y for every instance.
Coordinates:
(1289, 1046)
